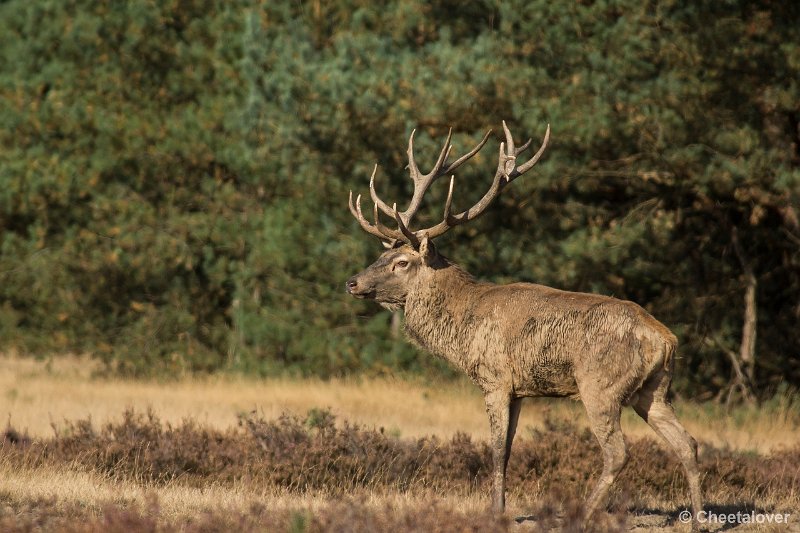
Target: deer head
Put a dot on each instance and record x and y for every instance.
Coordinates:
(389, 279)
(410, 252)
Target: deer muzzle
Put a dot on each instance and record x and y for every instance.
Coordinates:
(358, 290)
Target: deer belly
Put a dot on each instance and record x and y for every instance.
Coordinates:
(555, 380)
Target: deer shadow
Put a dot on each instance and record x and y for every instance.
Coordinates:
(658, 517)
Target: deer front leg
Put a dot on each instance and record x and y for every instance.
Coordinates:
(503, 415)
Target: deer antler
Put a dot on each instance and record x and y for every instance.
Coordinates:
(506, 172)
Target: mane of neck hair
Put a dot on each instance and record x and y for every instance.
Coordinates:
(435, 310)
(450, 269)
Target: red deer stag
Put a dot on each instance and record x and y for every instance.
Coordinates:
(523, 340)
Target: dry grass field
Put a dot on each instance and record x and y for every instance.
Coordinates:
(36, 395)
(213, 454)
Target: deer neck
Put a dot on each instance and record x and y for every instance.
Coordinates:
(435, 312)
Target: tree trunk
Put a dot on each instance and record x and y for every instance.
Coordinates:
(747, 348)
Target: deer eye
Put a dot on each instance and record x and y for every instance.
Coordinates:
(401, 264)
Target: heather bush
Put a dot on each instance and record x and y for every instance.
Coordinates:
(321, 454)
(350, 514)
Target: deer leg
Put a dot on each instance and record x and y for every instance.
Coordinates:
(605, 425)
(660, 416)
(513, 419)
(498, 407)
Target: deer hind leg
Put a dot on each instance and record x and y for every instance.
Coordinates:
(604, 422)
(513, 419)
(503, 416)
(654, 408)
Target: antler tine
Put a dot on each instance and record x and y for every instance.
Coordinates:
(497, 183)
(408, 235)
(413, 169)
(391, 234)
(523, 147)
(504, 174)
(535, 159)
(509, 140)
(374, 195)
(443, 155)
(477, 209)
(449, 202)
(355, 210)
(458, 162)
(423, 181)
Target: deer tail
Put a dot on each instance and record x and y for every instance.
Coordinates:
(670, 347)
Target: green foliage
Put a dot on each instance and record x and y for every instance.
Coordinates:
(174, 174)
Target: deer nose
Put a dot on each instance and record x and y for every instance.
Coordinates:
(351, 284)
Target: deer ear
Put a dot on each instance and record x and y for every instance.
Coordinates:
(427, 250)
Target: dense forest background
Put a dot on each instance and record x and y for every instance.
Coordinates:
(174, 175)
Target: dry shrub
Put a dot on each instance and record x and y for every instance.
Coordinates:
(14, 437)
(560, 511)
(350, 514)
(288, 452)
(550, 471)
(339, 459)
(559, 458)
(750, 477)
(34, 515)
(141, 448)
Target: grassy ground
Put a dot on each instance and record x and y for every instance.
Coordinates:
(365, 454)
(36, 395)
